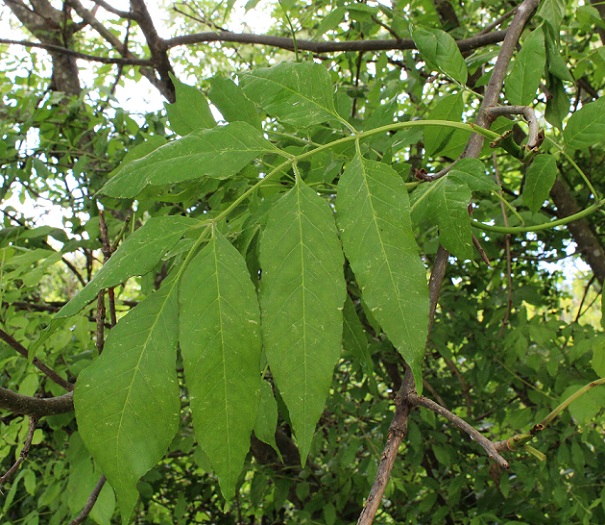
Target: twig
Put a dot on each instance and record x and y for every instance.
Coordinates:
(107, 252)
(111, 9)
(584, 295)
(24, 451)
(533, 137)
(131, 61)
(473, 433)
(397, 431)
(90, 503)
(46, 370)
(481, 251)
(497, 22)
(35, 406)
(509, 262)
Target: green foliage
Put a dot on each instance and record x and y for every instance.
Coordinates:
(270, 282)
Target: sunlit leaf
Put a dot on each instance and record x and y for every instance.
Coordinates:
(528, 69)
(586, 127)
(127, 402)
(228, 97)
(539, 179)
(218, 153)
(297, 93)
(303, 291)
(137, 255)
(376, 231)
(220, 343)
(190, 111)
(440, 50)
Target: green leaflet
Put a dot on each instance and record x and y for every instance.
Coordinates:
(127, 402)
(302, 295)
(137, 255)
(190, 111)
(228, 97)
(220, 343)
(528, 68)
(539, 179)
(440, 50)
(218, 153)
(552, 12)
(447, 108)
(297, 93)
(376, 232)
(354, 338)
(445, 204)
(586, 127)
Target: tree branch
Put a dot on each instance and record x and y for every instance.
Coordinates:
(473, 433)
(49, 372)
(35, 406)
(90, 503)
(76, 54)
(24, 451)
(466, 44)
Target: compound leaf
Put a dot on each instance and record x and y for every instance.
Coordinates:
(217, 153)
(127, 402)
(220, 343)
(376, 232)
(297, 93)
(137, 255)
(302, 296)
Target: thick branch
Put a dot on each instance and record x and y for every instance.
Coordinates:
(35, 406)
(466, 44)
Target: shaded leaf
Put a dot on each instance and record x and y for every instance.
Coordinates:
(447, 108)
(472, 173)
(228, 97)
(376, 231)
(539, 179)
(302, 295)
(445, 204)
(220, 343)
(219, 153)
(552, 12)
(598, 354)
(190, 111)
(440, 50)
(137, 255)
(354, 338)
(127, 402)
(528, 68)
(297, 93)
(266, 419)
(586, 127)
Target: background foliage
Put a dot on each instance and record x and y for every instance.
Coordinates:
(245, 294)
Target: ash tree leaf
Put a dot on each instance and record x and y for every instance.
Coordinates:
(217, 153)
(376, 232)
(354, 338)
(296, 93)
(137, 255)
(552, 12)
(266, 418)
(127, 402)
(586, 127)
(220, 344)
(190, 111)
(302, 296)
(472, 173)
(598, 351)
(436, 138)
(230, 100)
(440, 51)
(539, 179)
(528, 68)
